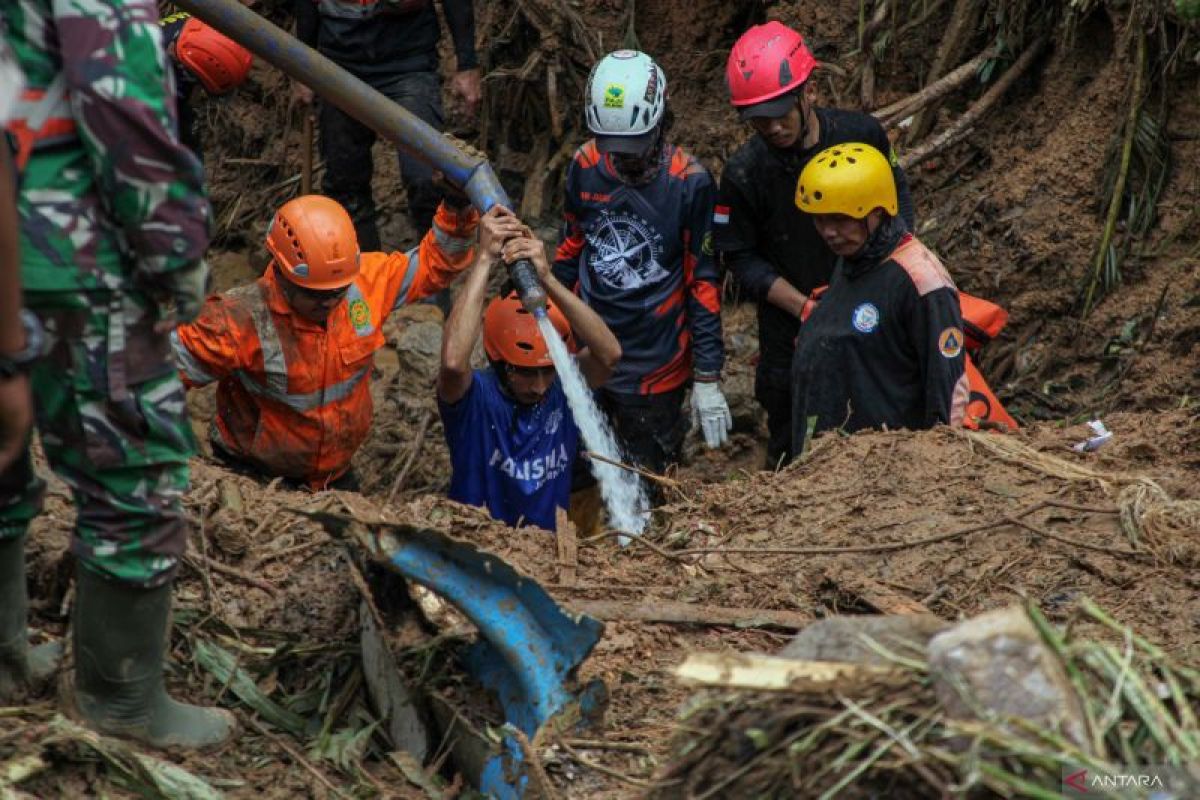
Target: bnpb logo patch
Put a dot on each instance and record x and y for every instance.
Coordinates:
(360, 315)
(865, 318)
(950, 342)
(614, 96)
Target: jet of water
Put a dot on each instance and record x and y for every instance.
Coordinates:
(621, 489)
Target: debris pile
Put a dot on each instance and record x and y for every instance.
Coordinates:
(1001, 705)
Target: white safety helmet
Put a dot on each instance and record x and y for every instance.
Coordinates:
(627, 96)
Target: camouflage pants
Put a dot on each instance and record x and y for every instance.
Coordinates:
(113, 421)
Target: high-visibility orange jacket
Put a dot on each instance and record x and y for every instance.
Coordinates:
(294, 397)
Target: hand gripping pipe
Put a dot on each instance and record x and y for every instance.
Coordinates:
(389, 119)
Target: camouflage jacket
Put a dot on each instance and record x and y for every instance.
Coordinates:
(122, 200)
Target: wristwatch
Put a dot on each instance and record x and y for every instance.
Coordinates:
(12, 364)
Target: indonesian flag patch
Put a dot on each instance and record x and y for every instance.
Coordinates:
(721, 215)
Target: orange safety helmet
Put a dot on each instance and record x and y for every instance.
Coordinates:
(511, 335)
(218, 62)
(313, 241)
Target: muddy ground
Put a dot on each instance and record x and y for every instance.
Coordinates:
(1016, 212)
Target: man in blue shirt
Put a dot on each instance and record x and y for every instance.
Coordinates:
(511, 435)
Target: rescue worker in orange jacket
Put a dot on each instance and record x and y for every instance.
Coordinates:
(293, 351)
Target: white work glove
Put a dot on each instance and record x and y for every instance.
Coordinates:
(711, 413)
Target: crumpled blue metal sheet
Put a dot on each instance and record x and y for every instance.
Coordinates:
(528, 649)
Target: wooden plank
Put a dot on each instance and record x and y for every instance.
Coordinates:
(568, 557)
(771, 673)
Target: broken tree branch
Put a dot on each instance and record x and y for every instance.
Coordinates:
(665, 481)
(905, 107)
(773, 673)
(681, 613)
(200, 562)
(418, 443)
(963, 124)
(887, 547)
(610, 772)
(951, 47)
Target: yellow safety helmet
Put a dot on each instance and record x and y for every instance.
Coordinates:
(851, 179)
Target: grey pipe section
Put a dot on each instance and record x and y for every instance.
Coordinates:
(337, 86)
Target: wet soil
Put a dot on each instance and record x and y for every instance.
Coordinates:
(1014, 212)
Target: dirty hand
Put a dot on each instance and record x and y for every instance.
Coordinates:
(468, 84)
(185, 290)
(16, 415)
(496, 227)
(302, 93)
(528, 247)
(711, 413)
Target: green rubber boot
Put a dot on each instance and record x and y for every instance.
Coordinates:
(22, 668)
(120, 637)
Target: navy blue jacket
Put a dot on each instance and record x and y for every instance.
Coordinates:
(642, 258)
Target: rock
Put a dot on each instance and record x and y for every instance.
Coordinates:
(419, 347)
(999, 662)
(738, 386)
(841, 638)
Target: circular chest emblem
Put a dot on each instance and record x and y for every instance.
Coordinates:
(866, 318)
(360, 314)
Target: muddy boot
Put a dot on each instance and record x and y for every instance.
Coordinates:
(120, 640)
(21, 666)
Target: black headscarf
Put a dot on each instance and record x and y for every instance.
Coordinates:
(877, 248)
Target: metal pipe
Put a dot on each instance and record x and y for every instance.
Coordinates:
(337, 86)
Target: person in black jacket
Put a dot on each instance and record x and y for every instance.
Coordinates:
(392, 45)
(884, 346)
(770, 246)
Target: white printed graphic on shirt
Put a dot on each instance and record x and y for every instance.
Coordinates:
(625, 250)
(541, 469)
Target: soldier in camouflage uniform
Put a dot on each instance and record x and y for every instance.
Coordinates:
(114, 224)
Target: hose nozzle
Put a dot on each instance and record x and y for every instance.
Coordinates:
(529, 288)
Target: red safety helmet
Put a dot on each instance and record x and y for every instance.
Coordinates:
(313, 241)
(511, 335)
(218, 62)
(766, 65)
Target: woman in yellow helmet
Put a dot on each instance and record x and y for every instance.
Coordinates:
(884, 348)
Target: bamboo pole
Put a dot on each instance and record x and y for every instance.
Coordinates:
(1114, 204)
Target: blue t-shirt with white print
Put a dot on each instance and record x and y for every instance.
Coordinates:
(514, 459)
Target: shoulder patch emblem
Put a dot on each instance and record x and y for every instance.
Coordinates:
(721, 215)
(706, 245)
(360, 315)
(865, 318)
(950, 342)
